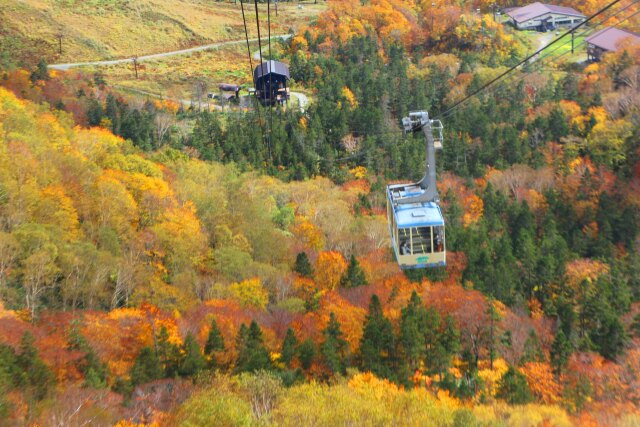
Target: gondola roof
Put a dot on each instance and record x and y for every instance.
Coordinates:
(274, 67)
(423, 214)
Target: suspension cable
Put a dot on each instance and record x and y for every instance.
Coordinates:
(548, 54)
(268, 136)
(525, 60)
(270, 73)
(246, 35)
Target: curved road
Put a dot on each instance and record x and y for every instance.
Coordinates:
(159, 55)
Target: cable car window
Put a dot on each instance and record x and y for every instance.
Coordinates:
(438, 238)
(404, 241)
(421, 240)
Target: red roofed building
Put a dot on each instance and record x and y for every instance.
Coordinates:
(543, 17)
(608, 40)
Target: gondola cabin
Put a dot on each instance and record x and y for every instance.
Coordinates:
(270, 80)
(417, 229)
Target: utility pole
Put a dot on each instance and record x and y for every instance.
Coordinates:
(572, 39)
(59, 36)
(433, 7)
(135, 65)
(276, 3)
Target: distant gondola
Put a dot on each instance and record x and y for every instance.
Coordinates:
(415, 221)
(270, 80)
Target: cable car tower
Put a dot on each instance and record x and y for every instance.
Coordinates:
(415, 221)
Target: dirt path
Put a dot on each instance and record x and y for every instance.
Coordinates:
(158, 55)
(543, 40)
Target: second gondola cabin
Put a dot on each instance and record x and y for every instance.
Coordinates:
(271, 79)
(417, 229)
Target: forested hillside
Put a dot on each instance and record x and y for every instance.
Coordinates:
(168, 266)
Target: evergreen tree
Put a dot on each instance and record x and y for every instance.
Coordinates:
(289, 346)
(566, 316)
(609, 336)
(377, 346)
(532, 350)
(306, 353)
(214, 343)
(513, 388)
(94, 112)
(35, 376)
(208, 137)
(95, 372)
(252, 354)
(193, 361)
(112, 113)
(303, 266)
(168, 354)
(334, 348)
(432, 340)
(41, 72)
(635, 326)
(558, 124)
(413, 326)
(354, 276)
(146, 367)
(449, 344)
(560, 351)
(9, 371)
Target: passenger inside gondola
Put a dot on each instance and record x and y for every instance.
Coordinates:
(438, 238)
(404, 248)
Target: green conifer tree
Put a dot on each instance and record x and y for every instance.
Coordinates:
(35, 377)
(560, 351)
(168, 354)
(532, 350)
(377, 346)
(303, 266)
(306, 353)
(41, 72)
(146, 367)
(334, 348)
(412, 332)
(95, 372)
(252, 354)
(433, 348)
(448, 345)
(513, 388)
(289, 346)
(214, 343)
(9, 373)
(354, 276)
(609, 335)
(193, 361)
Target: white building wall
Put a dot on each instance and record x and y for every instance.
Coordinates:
(554, 18)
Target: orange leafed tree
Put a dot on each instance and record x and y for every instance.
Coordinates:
(542, 382)
(330, 266)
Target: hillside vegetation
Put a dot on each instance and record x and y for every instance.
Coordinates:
(162, 265)
(108, 29)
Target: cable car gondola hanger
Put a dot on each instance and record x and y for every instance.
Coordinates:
(415, 220)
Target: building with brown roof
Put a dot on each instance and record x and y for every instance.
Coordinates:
(543, 17)
(608, 40)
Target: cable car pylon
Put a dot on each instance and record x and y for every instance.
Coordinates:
(415, 220)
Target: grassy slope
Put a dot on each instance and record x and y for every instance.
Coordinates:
(175, 76)
(107, 29)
